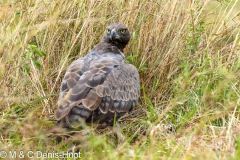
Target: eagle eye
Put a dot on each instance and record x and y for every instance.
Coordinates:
(122, 31)
(108, 30)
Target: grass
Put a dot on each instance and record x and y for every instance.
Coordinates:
(187, 54)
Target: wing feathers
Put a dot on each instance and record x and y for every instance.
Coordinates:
(96, 80)
(92, 100)
(105, 104)
(80, 95)
(64, 106)
(89, 83)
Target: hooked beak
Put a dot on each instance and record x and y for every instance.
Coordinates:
(113, 35)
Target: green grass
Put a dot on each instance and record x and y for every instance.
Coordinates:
(187, 54)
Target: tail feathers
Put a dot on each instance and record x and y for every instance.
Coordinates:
(77, 116)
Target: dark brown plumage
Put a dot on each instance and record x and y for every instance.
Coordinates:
(101, 84)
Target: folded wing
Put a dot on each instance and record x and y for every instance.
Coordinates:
(105, 83)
